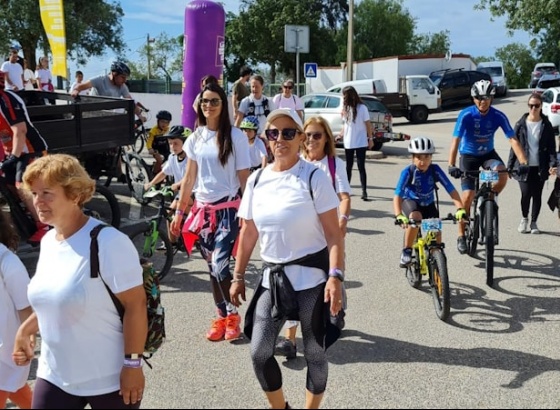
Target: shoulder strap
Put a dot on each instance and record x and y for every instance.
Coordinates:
(332, 170)
(257, 177)
(309, 183)
(94, 266)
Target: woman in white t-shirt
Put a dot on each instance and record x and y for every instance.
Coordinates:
(14, 310)
(44, 75)
(218, 163)
(28, 77)
(88, 355)
(290, 207)
(357, 134)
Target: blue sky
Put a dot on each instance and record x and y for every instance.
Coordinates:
(471, 31)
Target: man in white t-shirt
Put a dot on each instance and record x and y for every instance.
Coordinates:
(256, 104)
(287, 99)
(14, 70)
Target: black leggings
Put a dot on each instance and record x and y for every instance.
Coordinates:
(265, 333)
(48, 396)
(361, 159)
(531, 189)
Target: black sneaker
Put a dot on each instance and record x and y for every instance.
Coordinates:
(462, 245)
(286, 348)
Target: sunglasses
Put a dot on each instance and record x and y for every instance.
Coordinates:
(289, 87)
(314, 135)
(537, 106)
(482, 98)
(214, 102)
(288, 134)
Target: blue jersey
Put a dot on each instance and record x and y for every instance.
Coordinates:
(420, 186)
(477, 131)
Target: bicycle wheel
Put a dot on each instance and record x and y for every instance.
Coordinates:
(138, 173)
(141, 137)
(489, 217)
(104, 206)
(472, 231)
(413, 271)
(439, 284)
(147, 247)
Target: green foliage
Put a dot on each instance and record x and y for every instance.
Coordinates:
(166, 58)
(91, 27)
(437, 43)
(518, 64)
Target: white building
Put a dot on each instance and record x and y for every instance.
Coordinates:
(388, 69)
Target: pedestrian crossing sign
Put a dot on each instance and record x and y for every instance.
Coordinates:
(310, 70)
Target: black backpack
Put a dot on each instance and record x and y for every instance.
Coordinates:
(252, 108)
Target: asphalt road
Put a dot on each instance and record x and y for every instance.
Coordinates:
(497, 350)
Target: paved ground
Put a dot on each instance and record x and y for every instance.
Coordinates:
(497, 350)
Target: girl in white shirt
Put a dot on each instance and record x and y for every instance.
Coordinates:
(14, 309)
(357, 133)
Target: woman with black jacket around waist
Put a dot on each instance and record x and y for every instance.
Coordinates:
(536, 135)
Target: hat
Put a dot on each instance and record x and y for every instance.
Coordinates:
(286, 112)
(15, 47)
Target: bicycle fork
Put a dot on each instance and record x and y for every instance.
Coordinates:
(150, 242)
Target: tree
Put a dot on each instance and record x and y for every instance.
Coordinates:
(437, 43)
(165, 55)
(91, 27)
(518, 64)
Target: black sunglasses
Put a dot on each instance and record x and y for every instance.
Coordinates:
(214, 102)
(482, 98)
(289, 87)
(314, 135)
(531, 106)
(288, 134)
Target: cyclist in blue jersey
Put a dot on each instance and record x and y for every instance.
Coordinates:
(414, 194)
(473, 138)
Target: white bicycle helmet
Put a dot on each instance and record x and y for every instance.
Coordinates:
(421, 145)
(483, 88)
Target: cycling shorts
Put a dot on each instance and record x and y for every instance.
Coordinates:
(472, 163)
(410, 205)
(15, 176)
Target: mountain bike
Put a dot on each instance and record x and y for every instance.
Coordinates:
(148, 237)
(483, 224)
(428, 259)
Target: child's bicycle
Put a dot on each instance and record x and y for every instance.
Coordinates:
(428, 258)
(151, 238)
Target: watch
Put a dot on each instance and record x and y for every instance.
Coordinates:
(336, 273)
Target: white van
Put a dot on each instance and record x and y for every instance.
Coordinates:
(362, 86)
(495, 69)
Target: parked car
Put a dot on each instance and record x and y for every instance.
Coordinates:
(496, 71)
(455, 84)
(373, 86)
(551, 106)
(540, 70)
(547, 81)
(329, 106)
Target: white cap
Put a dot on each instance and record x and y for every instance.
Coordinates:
(286, 112)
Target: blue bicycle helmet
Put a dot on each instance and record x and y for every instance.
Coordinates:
(249, 123)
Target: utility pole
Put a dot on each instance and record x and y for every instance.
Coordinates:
(350, 42)
(148, 41)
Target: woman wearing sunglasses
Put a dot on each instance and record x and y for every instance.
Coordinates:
(290, 207)
(536, 136)
(357, 134)
(287, 99)
(218, 163)
(319, 149)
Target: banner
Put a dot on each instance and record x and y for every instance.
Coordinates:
(52, 15)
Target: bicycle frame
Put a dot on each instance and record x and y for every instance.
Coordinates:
(423, 245)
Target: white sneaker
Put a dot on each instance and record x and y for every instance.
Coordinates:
(534, 228)
(522, 228)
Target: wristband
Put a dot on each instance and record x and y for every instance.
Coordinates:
(134, 356)
(133, 363)
(179, 212)
(343, 216)
(238, 280)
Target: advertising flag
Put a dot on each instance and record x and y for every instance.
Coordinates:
(52, 15)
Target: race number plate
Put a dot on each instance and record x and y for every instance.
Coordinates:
(431, 225)
(489, 176)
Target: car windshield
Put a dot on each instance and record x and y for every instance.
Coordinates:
(374, 105)
(436, 78)
(547, 69)
(492, 71)
(549, 83)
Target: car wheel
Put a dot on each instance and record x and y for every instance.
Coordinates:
(377, 145)
(419, 115)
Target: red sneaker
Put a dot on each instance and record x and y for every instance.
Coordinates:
(233, 331)
(218, 330)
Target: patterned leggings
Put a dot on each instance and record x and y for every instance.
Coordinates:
(265, 333)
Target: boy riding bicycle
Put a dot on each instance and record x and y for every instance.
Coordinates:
(414, 194)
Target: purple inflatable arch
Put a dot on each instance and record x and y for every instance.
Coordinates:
(205, 23)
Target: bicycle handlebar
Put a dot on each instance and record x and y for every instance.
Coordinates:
(165, 191)
(139, 105)
(414, 223)
(465, 174)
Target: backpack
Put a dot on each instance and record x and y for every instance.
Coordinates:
(156, 312)
(252, 107)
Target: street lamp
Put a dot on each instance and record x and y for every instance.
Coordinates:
(148, 41)
(350, 42)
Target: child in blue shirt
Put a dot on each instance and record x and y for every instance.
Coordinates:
(415, 193)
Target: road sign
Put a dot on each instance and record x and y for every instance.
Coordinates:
(296, 39)
(310, 70)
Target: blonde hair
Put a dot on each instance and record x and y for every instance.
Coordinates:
(62, 170)
(330, 148)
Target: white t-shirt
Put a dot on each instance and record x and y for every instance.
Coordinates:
(293, 102)
(175, 167)
(244, 107)
(75, 84)
(82, 336)
(29, 79)
(15, 72)
(13, 297)
(287, 219)
(341, 183)
(355, 132)
(257, 151)
(533, 139)
(44, 76)
(214, 181)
